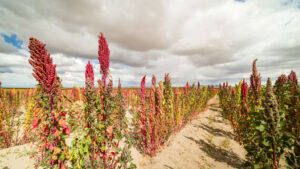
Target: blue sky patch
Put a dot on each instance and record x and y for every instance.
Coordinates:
(240, 0)
(94, 61)
(13, 40)
(293, 2)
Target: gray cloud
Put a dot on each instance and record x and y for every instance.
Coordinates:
(5, 70)
(204, 41)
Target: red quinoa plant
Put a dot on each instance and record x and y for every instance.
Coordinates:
(243, 116)
(143, 121)
(99, 144)
(52, 145)
(255, 82)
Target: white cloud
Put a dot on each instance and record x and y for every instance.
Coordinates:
(207, 41)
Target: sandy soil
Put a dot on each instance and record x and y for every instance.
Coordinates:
(17, 157)
(207, 142)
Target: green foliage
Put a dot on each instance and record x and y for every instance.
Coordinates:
(268, 120)
(98, 145)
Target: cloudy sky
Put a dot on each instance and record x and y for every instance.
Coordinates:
(197, 40)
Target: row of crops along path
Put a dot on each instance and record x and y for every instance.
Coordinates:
(206, 142)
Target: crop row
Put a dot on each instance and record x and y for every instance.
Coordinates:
(265, 119)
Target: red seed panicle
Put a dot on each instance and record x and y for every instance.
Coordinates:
(244, 89)
(89, 73)
(293, 77)
(103, 58)
(187, 87)
(119, 86)
(143, 88)
(43, 68)
(167, 78)
(282, 79)
(153, 80)
(255, 80)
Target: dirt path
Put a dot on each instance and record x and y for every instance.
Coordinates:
(207, 142)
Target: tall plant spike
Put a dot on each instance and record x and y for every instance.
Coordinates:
(43, 68)
(272, 118)
(103, 57)
(255, 82)
(244, 89)
(52, 142)
(89, 73)
(293, 77)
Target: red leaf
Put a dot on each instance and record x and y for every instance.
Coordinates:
(113, 154)
(63, 113)
(67, 130)
(46, 130)
(35, 123)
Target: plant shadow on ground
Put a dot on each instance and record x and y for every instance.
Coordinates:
(169, 167)
(214, 120)
(215, 131)
(133, 137)
(132, 134)
(219, 154)
(215, 108)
